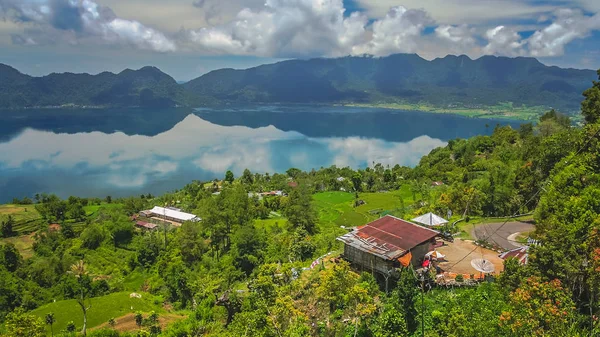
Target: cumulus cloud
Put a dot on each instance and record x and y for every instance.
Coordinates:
(54, 20)
(503, 41)
(297, 28)
(569, 25)
(398, 31)
(285, 28)
(291, 28)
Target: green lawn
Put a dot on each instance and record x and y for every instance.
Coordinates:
(92, 209)
(103, 308)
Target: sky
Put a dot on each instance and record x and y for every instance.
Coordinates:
(188, 38)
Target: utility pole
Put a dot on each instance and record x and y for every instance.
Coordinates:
(165, 223)
(422, 305)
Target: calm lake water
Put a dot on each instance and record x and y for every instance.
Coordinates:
(121, 152)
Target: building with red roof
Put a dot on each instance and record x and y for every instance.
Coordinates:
(387, 243)
(521, 254)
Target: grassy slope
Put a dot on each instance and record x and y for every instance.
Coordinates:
(103, 308)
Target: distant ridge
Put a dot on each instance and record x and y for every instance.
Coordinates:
(451, 81)
(147, 86)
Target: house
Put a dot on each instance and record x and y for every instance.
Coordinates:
(521, 254)
(169, 214)
(146, 225)
(437, 183)
(387, 243)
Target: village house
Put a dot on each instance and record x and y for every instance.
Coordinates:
(387, 243)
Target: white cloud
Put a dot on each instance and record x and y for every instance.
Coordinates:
(457, 12)
(569, 25)
(503, 41)
(49, 21)
(310, 28)
(285, 27)
(356, 151)
(398, 31)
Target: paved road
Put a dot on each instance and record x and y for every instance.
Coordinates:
(501, 237)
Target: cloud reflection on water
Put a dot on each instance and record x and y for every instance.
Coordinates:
(96, 162)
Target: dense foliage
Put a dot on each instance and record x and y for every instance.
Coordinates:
(241, 271)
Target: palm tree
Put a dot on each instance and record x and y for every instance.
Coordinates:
(50, 321)
(80, 271)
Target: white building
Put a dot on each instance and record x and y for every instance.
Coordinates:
(170, 214)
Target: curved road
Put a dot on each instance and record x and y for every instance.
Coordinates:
(501, 237)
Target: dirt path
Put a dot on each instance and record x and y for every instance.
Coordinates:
(127, 323)
(501, 234)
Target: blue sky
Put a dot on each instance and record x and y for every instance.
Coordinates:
(187, 38)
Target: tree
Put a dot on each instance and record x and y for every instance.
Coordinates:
(50, 321)
(293, 172)
(299, 209)
(247, 178)
(93, 236)
(10, 257)
(22, 324)
(108, 199)
(590, 107)
(7, 227)
(71, 327)
(139, 319)
(539, 309)
(66, 229)
(229, 177)
(79, 270)
(112, 323)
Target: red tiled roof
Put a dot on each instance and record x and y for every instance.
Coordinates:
(388, 237)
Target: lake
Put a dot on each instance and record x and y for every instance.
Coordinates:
(120, 152)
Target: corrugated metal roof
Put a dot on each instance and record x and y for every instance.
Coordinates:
(146, 224)
(521, 254)
(388, 237)
(161, 211)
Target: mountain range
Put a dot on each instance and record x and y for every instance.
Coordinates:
(400, 78)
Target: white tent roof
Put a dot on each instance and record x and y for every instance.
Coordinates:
(430, 219)
(182, 216)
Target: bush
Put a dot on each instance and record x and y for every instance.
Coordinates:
(71, 327)
(459, 278)
(92, 237)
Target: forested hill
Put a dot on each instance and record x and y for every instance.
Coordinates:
(449, 82)
(147, 86)
(407, 78)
